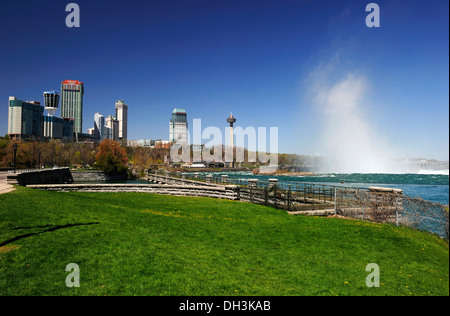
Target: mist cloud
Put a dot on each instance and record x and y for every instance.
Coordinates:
(348, 140)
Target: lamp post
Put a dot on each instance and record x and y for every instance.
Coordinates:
(39, 160)
(15, 152)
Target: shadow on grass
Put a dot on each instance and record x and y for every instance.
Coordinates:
(32, 227)
(52, 229)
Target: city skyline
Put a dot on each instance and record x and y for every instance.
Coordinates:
(268, 62)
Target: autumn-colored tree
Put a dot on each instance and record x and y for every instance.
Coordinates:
(111, 158)
(140, 158)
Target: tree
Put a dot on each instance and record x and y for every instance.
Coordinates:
(141, 158)
(111, 158)
(24, 155)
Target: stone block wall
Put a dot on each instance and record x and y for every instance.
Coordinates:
(230, 192)
(47, 176)
(95, 176)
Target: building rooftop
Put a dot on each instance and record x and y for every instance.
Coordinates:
(178, 111)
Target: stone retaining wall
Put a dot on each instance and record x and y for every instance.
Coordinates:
(46, 176)
(230, 192)
(95, 176)
(180, 181)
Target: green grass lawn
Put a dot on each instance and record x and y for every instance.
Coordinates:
(144, 244)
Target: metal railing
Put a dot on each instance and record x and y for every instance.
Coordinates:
(289, 195)
(395, 208)
(391, 207)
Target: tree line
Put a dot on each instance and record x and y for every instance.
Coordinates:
(108, 156)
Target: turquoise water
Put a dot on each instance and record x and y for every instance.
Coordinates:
(430, 187)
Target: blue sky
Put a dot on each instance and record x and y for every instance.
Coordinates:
(259, 59)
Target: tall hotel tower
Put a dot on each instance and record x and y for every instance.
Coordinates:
(72, 103)
(178, 131)
(25, 119)
(122, 117)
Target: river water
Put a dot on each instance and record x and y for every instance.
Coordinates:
(430, 186)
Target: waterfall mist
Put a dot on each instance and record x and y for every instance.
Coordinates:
(348, 141)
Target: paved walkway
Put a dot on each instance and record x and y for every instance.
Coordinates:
(5, 187)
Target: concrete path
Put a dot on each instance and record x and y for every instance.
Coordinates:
(4, 186)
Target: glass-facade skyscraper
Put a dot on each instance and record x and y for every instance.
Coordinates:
(72, 92)
(178, 131)
(25, 118)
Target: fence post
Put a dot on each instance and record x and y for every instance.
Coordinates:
(272, 183)
(266, 196)
(335, 201)
(289, 199)
(252, 184)
(166, 175)
(224, 178)
(324, 195)
(314, 196)
(275, 195)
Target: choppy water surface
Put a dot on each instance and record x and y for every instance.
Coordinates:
(428, 186)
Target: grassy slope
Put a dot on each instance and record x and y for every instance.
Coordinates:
(162, 245)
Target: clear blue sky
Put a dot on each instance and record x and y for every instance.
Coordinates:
(257, 59)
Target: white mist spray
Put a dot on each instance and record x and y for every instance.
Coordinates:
(348, 141)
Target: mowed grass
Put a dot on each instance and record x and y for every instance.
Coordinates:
(144, 244)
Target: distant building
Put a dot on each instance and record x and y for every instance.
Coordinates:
(113, 124)
(104, 128)
(163, 144)
(72, 92)
(25, 119)
(147, 143)
(107, 132)
(51, 102)
(178, 131)
(58, 128)
(133, 143)
(122, 118)
(99, 127)
(141, 143)
(85, 138)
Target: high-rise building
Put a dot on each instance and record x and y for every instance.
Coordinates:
(104, 128)
(72, 92)
(178, 131)
(122, 117)
(112, 123)
(58, 128)
(99, 127)
(25, 118)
